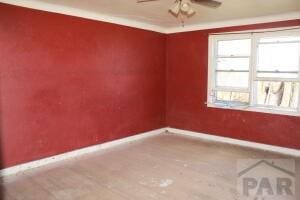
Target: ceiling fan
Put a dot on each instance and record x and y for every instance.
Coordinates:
(184, 7)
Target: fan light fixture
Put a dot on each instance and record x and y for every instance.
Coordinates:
(183, 8)
(175, 9)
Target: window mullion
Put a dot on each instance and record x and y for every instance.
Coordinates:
(232, 89)
(231, 70)
(299, 87)
(232, 56)
(276, 79)
(213, 44)
(299, 101)
(299, 75)
(281, 72)
(285, 42)
(253, 63)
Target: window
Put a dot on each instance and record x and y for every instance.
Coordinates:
(258, 71)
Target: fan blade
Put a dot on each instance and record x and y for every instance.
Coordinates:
(143, 1)
(209, 3)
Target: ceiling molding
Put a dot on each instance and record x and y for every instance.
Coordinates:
(235, 22)
(36, 4)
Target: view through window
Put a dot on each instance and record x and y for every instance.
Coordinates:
(255, 70)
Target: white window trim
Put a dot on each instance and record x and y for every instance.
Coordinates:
(252, 73)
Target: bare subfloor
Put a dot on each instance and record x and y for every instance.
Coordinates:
(163, 167)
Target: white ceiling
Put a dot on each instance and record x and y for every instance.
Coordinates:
(155, 14)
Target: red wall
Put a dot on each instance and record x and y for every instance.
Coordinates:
(68, 83)
(187, 93)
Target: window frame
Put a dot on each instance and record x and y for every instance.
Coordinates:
(253, 79)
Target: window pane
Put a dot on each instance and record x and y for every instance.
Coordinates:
(232, 79)
(280, 57)
(233, 63)
(277, 75)
(232, 96)
(279, 94)
(234, 47)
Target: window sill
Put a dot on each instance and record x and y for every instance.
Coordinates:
(256, 109)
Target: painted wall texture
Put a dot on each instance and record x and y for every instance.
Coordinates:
(68, 83)
(187, 61)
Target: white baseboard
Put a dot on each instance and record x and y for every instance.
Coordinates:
(45, 161)
(254, 145)
(38, 163)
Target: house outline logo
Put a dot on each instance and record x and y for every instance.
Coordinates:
(259, 182)
(271, 164)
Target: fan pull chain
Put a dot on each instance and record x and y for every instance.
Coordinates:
(181, 18)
